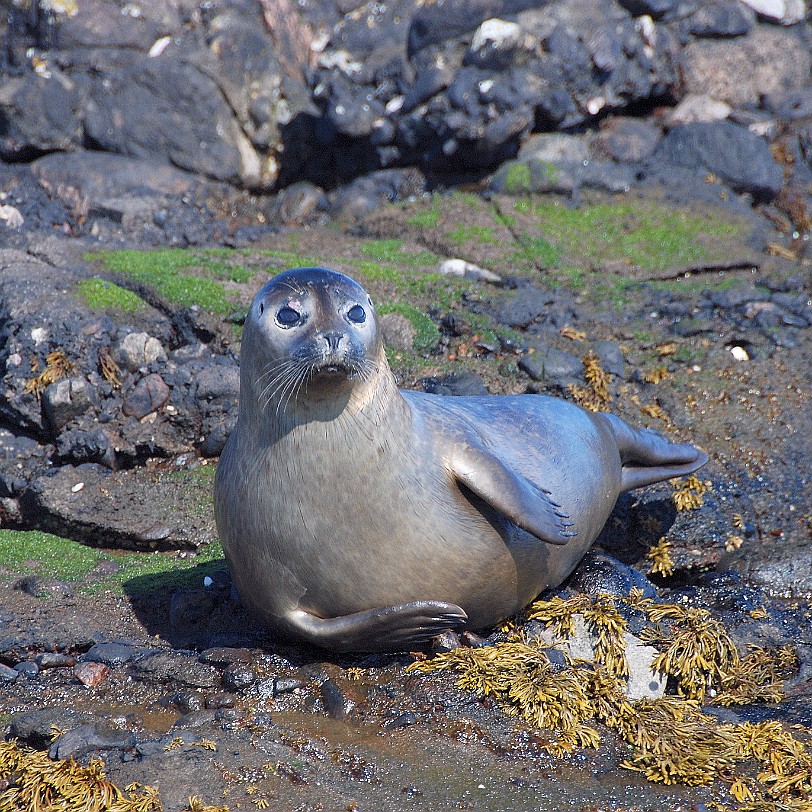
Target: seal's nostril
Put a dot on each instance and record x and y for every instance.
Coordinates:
(333, 340)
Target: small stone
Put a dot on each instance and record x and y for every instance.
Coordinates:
(611, 357)
(112, 654)
(398, 332)
(284, 685)
(401, 720)
(467, 270)
(28, 669)
(147, 396)
(91, 674)
(137, 350)
(238, 676)
(63, 401)
(7, 673)
(336, 703)
(786, 12)
(54, 659)
(224, 656)
(446, 641)
(456, 384)
(90, 738)
(698, 107)
(220, 700)
(551, 364)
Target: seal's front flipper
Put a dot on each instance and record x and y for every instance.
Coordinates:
(526, 505)
(390, 628)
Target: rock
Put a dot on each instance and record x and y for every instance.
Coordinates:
(463, 268)
(336, 703)
(786, 12)
(147, 396)
(96, 506)
(54, 659)
(721, 18)
(466, 384)
(398, 332)
(112, 654)
(525, 306)
(168, 109)
(493, 44)
(740, 159)
(8, 674)
(28, 669)
(90, 738)
(776, 61)
(555, 366)
(238, 676)
(91, 674)
(611, 357)
(224, 656)
(628, 139)
(137, 350)
(35, 728)
(555, 148)
(175, 667)
(63, 401)
(39, 115)
(694, 107)
(642, 683)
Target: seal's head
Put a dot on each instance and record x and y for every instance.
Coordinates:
(310, 337)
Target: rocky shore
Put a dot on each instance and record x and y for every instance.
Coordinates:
(605, 201)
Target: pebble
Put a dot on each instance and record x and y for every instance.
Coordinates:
(238, 676)
(54, 659)
(90, 674)
(335, 701)
(28, 669)
(113, 654)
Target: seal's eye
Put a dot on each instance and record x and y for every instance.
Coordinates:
(356, 314)
(287, 317)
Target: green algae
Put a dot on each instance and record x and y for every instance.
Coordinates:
(32, 552)
(101, 294)
(182, 276)
(644, 234)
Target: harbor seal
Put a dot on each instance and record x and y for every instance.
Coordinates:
(357, 517)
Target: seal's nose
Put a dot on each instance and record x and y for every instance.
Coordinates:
(333, 340)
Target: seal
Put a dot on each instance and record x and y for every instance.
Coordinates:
(357, 517)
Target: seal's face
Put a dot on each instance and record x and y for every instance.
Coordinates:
(313, 334)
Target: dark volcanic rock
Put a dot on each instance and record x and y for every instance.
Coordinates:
(168, 109)
(740, 159)
(98, 507)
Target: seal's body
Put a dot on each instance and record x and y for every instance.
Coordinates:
(358, 517)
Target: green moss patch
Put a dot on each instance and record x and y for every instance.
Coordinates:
(100, 294)
(182, 276)
(644, 234)
(36, 553)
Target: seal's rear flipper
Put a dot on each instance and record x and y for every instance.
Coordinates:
(648, 457)
(390, 628)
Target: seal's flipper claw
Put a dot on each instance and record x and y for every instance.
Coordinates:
(524, 503)
(389, 628)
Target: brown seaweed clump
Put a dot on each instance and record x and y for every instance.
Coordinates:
(31, 781)
(671, 739)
